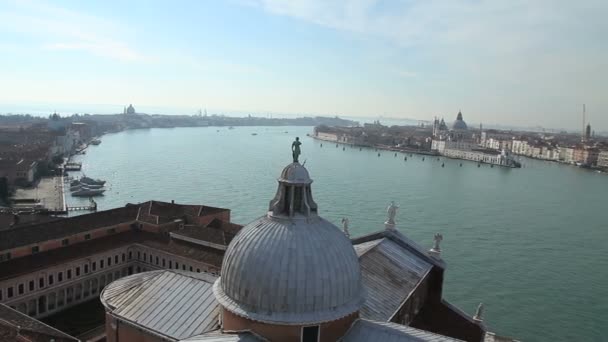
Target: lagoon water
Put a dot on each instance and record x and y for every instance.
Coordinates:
(530, 243)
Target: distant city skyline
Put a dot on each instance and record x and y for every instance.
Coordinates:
(516, 63)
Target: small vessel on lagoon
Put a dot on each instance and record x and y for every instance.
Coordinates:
(88, 192)
(85, 187)
(95, 142)
(90, 181)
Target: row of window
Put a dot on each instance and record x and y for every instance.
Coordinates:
(64, 242)
(164, 263)
(67, 275)
(73, 293)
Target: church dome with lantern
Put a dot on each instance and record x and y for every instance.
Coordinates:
(459, 124)
(291, 266)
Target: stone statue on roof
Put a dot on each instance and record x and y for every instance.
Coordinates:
(438, 238)
(345, 227)
(295, 149)
(392, 212)
(479, 313)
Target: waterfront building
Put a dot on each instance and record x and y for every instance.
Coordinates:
(586, 155)
(293, 276)
(50, 266)
(602, 159)
(566, 154)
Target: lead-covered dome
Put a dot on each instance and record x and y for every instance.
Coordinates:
(291, 266)
(459, 124)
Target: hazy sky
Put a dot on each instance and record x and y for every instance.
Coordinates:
(518, 62)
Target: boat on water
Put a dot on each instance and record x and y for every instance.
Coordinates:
(95, 142)
(230, 127)
(85, 187)
(90, 181)
(254, 134)
(88, 192)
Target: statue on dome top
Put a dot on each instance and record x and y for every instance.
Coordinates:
(295, 149)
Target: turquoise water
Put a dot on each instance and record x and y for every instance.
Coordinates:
(530, 243)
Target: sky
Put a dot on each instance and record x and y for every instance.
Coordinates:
(515, 62)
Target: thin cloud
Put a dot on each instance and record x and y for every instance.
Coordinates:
(66, 30)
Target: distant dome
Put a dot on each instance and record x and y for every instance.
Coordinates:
(291, 266)
(459, 124)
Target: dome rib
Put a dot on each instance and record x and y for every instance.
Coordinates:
(290, 272)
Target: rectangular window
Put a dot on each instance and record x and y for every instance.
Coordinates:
(101, 263)
(87, 236)
(163, 262)
(65, 242)
(40, 283)
(35, 249)
(60, 276)
(0, 294)
(31, 285)
(156, 260)
(170, 264)
(145, 257)
(184, 267)
(9, 293)
(69, 274)
(21, 289)
(116, 259)
(150, 258)
(138, 255)
(310, 334)
(5, 257)
(86, 269)
(130, 255)
(190, 268)
(78, 271)
(94, 266)
(198, 270)
(51, 280)
(124, 257)
(109, 261)
(176, 266)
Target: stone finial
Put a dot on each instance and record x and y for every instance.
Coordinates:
(345, 227)
(479, 313)
(391, 212)
(435, 251)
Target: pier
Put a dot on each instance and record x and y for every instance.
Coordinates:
(72, 166)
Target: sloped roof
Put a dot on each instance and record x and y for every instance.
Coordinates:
(390, 273)
(35, 233)
(364, 331)
(219, 336)
(13, 323)
(171, 303)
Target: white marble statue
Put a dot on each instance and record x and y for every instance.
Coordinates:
(438, 238)
(392, 212)
(479, 313)
(345, 227)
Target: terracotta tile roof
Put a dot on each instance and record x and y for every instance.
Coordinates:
(156, 212)
(207, 255)
(35, 233)
(216, 231)
(13, 324)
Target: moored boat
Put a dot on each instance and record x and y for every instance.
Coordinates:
(90, 181)
(88, 192)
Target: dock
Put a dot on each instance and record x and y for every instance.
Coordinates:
(91, 207)
(48, 195)
(72, 166)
